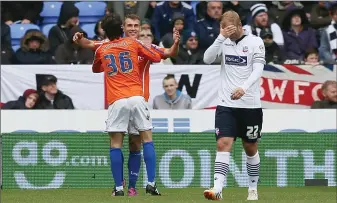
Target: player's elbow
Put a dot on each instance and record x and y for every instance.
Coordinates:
(208, 60)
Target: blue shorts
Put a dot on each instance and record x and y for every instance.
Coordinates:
(238, 122)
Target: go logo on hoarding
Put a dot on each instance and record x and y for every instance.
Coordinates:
(54, 153)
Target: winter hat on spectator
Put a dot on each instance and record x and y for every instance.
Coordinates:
(256, 9)
(68, 10)
(187, 34)
(287, 20)
(266, 32)
(177, 16)
(29, 92)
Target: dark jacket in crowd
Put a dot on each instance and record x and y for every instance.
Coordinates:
(7, 52)
(274, 53)
(319, 16)
(71, 53)
(19, 10)
(163, 15)
(59, 34)
(24, 55)
(61, 101)
(295, 45)
(324, 105)
(17, 104)
(208, 30)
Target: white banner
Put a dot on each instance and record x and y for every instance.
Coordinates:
(305, 120)
(282, 86)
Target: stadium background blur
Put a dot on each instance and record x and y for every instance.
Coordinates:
(39, 34)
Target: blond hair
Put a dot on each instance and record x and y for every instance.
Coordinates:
(231, 18)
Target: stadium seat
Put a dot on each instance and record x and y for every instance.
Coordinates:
(15, 47)
(46, 28)
(19, 30)
(89, 29)
(51, 11)
(91, 12)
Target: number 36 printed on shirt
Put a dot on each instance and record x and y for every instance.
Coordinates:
(125, 63)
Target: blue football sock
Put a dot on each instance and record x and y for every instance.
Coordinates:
(122, 167)
(150, 160)
(134, 168)
(116, 165)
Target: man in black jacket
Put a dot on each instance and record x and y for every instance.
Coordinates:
(51, 97)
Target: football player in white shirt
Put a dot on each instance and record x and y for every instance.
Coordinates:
(239, 112)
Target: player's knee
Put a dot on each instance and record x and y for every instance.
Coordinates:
(116, 140)
(146, 136)
(224, 144)
(250, 148)
(134, 144)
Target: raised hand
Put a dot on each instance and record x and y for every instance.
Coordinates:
(176, 36)
(227, 31)
(77, 36)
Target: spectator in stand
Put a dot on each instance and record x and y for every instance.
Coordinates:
(163, 16)
(172, 98)
(311, 57)
(329, 91)
(328, 45)
(34, 49)
(99, 32)
(71, 53)
(51, 97)
(189, 52)
(24, 11)
(260, 21)
(27, 101)
(279, 12)
(273, 51)
(60, 33)
(241, 7)
(208, 28)
(298, 36)
(319, 16)
(7, 52)
(145, 25)
(146, 37)
(123, 8)
(178, 23)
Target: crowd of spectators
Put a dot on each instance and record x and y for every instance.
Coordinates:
(291, 30)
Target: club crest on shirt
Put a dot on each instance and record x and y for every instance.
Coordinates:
(245, 49)
(261, 47)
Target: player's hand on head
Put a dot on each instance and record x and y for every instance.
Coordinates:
(77, 36)
(237, 93)
(227, 31)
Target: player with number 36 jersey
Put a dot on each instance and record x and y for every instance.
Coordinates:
(119, 60)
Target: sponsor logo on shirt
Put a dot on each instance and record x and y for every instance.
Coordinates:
(236, 60)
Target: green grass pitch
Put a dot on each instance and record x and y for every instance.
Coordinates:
(188, 195)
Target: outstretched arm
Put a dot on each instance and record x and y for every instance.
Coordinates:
(84, 42)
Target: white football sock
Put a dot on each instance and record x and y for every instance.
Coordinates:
(253, 168)
(221, 168)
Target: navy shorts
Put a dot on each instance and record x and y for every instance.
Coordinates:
(238, 122)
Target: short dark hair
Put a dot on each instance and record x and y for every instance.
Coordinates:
(169, 76)
(132, 17)
(333, 8)
(112, 26)
(310, 51)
